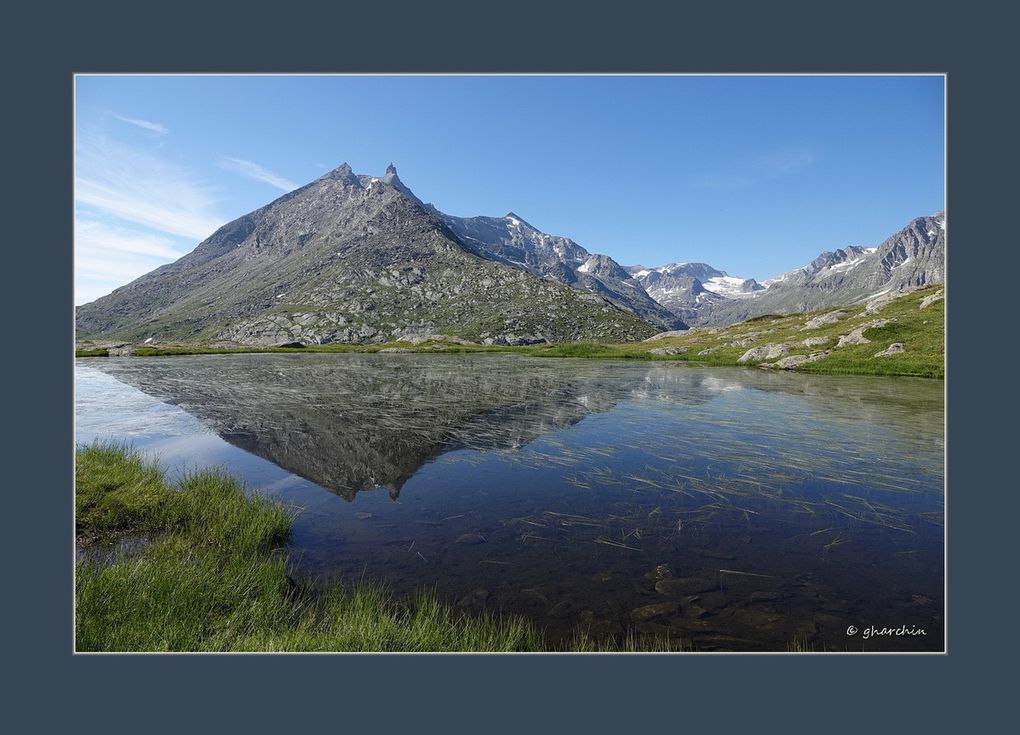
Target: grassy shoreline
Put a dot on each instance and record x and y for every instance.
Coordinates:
(919, 327)
(212, 577)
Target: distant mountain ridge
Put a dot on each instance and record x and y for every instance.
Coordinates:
(355, 258)
(705, 296)
(912, 257)
(513, 241)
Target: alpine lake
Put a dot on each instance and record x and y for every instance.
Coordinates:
(732, 509)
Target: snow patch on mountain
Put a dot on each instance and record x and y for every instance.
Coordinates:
(733, 287)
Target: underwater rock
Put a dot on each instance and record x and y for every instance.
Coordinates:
(679, 586)
(648, 612)
(476, 598)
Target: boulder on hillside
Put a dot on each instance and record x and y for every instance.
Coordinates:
(856, 337)
(880, 302)
(795, 361)
(665, 335)
(766, 352)
(894, 349)
(668, 351)
(824, 319)
(929, 300)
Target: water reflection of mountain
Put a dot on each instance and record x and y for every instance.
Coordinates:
(351, 422)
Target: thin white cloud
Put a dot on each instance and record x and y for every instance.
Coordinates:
(138, 187)
(107, 255)
(254, 171)
(95, 236)
(154, 127)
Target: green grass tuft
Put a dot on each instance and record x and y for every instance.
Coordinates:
(118, 492)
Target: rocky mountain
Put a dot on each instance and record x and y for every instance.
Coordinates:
(349, 258)
(704, 296)
(689, 289)
(512, 241)
(914, 256)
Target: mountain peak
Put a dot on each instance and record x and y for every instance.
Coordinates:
(391, 178)
(516, 219)
(343, 173)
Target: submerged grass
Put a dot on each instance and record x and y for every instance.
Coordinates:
(920, 331)
(212, 578)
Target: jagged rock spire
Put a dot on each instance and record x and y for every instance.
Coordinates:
(344, 173)
(391, 169)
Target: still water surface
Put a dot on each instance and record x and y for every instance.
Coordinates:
(734, 509)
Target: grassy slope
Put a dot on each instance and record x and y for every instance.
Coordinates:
(213, 578)
(921, 331)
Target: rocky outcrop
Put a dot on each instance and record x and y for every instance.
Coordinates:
(824, 319)
(894, 349)
(667, 335)
(668, 351)
(766, 352)
(511, 339)
(792, 362)
(856, 336)
(929, 300)
(878, 303)
(423, 338)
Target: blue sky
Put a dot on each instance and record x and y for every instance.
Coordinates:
(754, 175)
